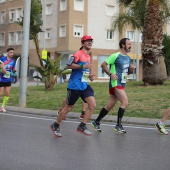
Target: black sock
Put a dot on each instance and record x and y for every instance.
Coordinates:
(83, 112)
(56, 125)
(120, 115)
(102, 114)
(82, 124)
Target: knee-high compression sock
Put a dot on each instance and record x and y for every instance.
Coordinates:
(5, 99)
(120, 115)
(102, 114)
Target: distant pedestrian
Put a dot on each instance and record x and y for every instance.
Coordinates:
(7, 64)
(160, 125)
(119, 67)
(78, 87)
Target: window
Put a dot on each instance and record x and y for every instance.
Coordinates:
(63, 5)
(79, 5)
(78, 31)
(1, 1)
(15, 15)
(11, 15)
(48, 33)
(18, 38)
(2, 39)
(2, 17)
(140, 37)
(110, 10)
(130, 35)
(19, 14)
(64, 61)
(62, 31)
(101, 73)
(110, 35)
(48, 9)
(11, 38)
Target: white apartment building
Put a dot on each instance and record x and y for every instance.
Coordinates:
(64, 23)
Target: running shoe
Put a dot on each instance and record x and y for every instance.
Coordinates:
(55, 130)
(3, 110)
(119, 129)
(81, 116)
(84, 130)
(161, 129)
(96, 126)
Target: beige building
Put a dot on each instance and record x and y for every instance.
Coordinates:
(64, 23)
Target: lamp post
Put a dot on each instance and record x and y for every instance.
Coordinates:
(137, 57)
(24, 54)
(44, 23)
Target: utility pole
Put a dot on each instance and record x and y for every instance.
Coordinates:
(137, 57)
(44, 23)
(24, 54)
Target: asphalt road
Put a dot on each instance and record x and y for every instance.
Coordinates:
(27, 143)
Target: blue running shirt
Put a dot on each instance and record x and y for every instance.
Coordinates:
(119, 65)
(78, 78)
(9, 65)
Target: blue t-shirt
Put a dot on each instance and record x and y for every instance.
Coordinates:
(119, 65)
(78, 77)
(9, 65)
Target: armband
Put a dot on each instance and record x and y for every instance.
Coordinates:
(70, 61)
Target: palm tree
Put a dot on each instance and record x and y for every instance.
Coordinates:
(148, 16)
(154, 69)
(36, 23)
(166, 51)
(50, 72)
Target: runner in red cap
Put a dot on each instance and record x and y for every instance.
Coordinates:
(86, 37)
(78, 87)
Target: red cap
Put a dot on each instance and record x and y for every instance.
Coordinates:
(86, 37)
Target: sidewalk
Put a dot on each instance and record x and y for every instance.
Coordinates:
(72, 115)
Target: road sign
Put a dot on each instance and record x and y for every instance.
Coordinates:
(44, 54)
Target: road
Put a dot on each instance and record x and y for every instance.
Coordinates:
(27, 143)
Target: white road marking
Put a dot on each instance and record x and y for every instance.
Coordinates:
(73, 121)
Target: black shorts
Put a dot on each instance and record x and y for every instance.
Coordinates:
(5, 84)
(73, 95)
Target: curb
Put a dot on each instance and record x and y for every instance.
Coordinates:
(72, 115)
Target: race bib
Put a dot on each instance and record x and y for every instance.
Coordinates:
(124, 77)
(7, 74)
(85, 76)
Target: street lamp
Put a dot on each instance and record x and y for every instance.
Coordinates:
(24, 53)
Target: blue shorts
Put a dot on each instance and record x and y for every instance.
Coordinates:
(73, 95)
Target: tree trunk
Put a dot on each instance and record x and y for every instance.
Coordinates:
(35, 38)
(154, 69)
(154, 74)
